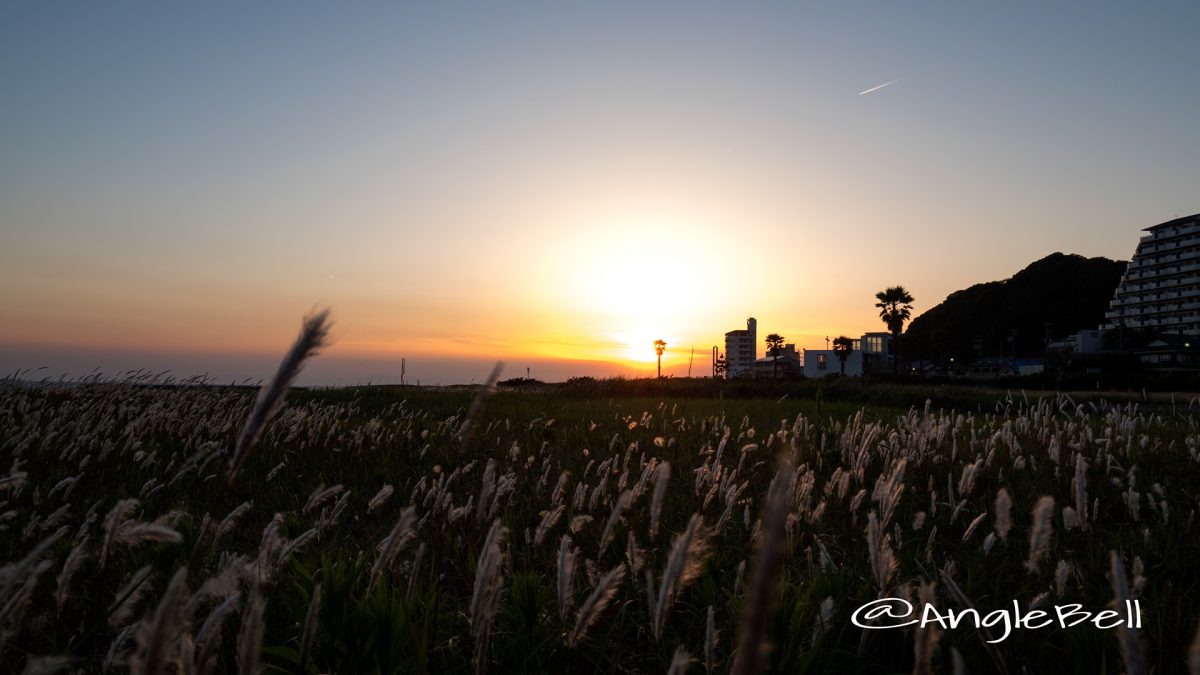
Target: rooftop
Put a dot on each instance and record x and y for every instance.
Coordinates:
(1169, 223)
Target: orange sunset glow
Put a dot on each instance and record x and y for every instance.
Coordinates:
(557, 191)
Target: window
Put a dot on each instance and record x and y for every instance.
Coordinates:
(821, 361)
(874, 344)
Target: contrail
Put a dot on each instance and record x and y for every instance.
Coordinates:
(879, 87)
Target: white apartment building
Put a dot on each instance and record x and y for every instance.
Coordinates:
(869, 353)
(1161, 287)
(740, 348)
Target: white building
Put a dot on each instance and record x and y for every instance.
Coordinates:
(1083, 342)
(740, 348)
(1161, 287)
(870, 352)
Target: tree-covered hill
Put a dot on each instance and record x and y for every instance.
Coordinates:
(1059, 294)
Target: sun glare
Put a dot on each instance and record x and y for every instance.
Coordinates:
(641, 280)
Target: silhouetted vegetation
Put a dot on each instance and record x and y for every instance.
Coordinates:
(1055, 296)
(895, 308)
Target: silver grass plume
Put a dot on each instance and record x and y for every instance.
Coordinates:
(566, 576)
(115, 646)
(321, 495)
(230, 521)
(662, 475)
(156, 637)
(1039, 534)
(883, 560)
(618, 510)
(74, 560)
(597, 601)
(633, 553)
(1003, 514)
(314, 331)
(710, 640)
(752, 639)
(403, 532)
(115, 517)
(488, 583)
(1131, 648)
(973, 526)
(209, 635)
(927, 636)
(680, 662)
(684, 564)
(310, 626)
(250, 635)
(380, 498)
(486, 488)
(130, 534)
(548, 522)
(128, 597)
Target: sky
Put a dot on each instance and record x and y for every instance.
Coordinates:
(556, 185)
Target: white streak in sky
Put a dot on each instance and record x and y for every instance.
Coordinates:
(878, 88)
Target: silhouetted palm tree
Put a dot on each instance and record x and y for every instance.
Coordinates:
(895, 307)
(774, 344)
(842, 348)
(659, 348)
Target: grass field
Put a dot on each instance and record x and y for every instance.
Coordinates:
(393, 529)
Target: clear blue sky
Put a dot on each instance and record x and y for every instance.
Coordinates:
(558, 183)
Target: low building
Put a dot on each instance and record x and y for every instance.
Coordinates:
(1170, 353)
(785, 364)
(1000, 366)
(1083, 342)
(869, 353)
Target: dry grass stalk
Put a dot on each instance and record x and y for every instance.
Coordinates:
(310, 626)
(314, 331)
(1131, 648)
(752, 639)
(156, 637)
(488, 583)
(684, 564)
(467, 430)
(402, 533)
(250, 635)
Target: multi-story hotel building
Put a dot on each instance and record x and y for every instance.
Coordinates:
(1161, 286)
(740, 348)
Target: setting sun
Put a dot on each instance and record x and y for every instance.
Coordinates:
(642, 279)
